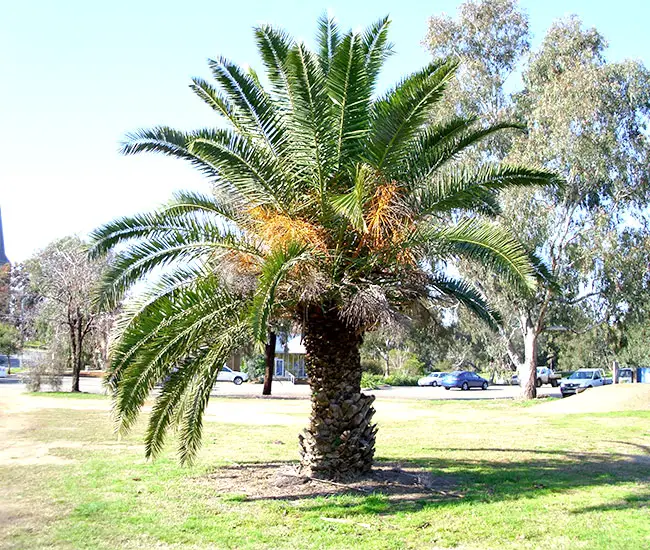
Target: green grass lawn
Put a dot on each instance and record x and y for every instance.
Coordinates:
(68, 395)
(525, 481)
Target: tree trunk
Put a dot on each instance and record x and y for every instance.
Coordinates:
(340, 439)
(8, 364)
(269, 363)
(76, 342)
(528, 374)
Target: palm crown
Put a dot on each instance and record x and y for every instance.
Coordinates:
(324, 195)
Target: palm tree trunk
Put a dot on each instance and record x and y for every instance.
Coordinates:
(340, 439)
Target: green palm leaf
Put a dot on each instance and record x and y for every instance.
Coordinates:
(483, 242)
(196, 399)
(476, 189)
(348, 87)
(274, 270)
(401, 114)
(328, 40)
(467, 295)
(376, 48)
(252, 102)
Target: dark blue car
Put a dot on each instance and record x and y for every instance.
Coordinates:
(464, 380)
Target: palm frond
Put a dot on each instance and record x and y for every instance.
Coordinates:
(475, 189)
(348, 88)
(467, 295)
(175, 328)
(160, 251)
(275, 267)
(486, 243)
(400, 115)
(327, 39)
(219, 207)
(274, 46)
(351, 205)
(252, 102)
(164, 413)
(544, 275)
(376, 49)
(218, 102)
(312, 137)
(236, 335)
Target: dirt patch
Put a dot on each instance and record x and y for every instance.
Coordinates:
(610, 398)
(282, 481)
(34, 453)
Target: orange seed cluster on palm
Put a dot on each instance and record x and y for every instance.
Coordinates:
(387, 220)
(277, 230)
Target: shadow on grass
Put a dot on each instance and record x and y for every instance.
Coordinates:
(448, 482)
(630, 502)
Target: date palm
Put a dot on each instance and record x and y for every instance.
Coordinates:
(332, 207)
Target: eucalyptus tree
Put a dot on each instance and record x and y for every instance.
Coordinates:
(587, 120)
(332, 207)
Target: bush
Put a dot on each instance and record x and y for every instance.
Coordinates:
(443, 366)
(40, 370)
(371, 366)
(372, 381)
(254, 366)
(402, 380)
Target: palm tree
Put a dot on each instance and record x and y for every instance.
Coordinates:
(332, 207)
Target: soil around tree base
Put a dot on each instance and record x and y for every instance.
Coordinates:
(282, 481)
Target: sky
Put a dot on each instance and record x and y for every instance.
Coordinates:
(78, 75)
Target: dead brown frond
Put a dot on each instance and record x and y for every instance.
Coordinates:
(238, 270)
(367, 307)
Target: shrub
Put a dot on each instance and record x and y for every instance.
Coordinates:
(254, 366)
(372, 366)
(372, 381)
(42, 368)
(443, 366)
(402, 380)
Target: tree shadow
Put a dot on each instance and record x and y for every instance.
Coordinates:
(441, 482)
(629, 502)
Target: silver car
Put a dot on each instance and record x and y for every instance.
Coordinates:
(431, 379)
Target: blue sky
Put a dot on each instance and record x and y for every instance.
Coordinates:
(78, 75)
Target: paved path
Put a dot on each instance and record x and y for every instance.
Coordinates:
(287, 390)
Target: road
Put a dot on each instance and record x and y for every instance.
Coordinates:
(287, 390)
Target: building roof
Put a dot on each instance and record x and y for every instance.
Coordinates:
(3, 257)
(293, 346)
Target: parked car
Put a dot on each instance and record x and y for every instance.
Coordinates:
(225, 375)
(545, 375)
(581, 380)
(234, 376)
(432, 379)
(464, 380)
(625, 376)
